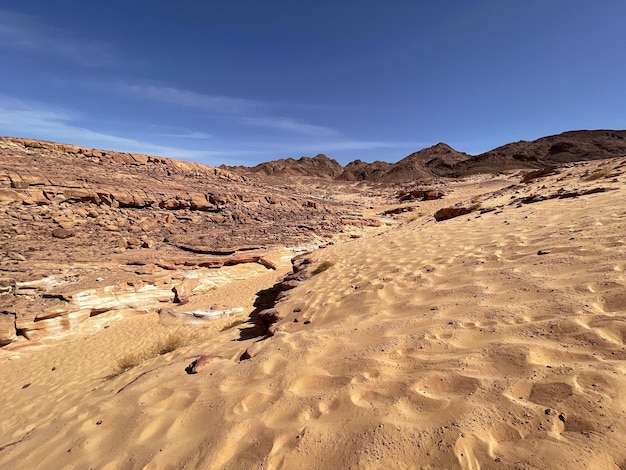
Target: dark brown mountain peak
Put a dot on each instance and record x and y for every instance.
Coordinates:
(440, 150)
(441, 147)
(319, 166)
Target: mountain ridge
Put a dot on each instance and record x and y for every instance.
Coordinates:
(443, 161)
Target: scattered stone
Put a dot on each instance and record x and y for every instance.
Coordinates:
(16, 256)
(265, 319)
(8, 333)
(25, 386)
(183, 290)
(288, 285)
(451, 212)
(62, 233)
(306, 322)
(200, 363)
(420, 195)
(245, 356)
(543, 252)
(562, 417)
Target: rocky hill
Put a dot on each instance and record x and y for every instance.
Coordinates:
(442, 161)
(319, 166)
(425, 164)
(572, 146)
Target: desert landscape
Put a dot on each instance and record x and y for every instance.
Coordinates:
(445, 311)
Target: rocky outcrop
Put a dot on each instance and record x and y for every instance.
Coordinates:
(451, 212)
(419, 195)
(127, 201)
(67, 212)
(7, 328)
(265, 317)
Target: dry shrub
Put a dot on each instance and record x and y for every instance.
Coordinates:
(128, 361)
(232, 325)
(596, 175)
(173, 341)
(531, 175)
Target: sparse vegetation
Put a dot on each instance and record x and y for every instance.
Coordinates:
(128, 361)
(323, 266)
(531, 175)
(413, 217)
(173, 341)
(232, 325)
(596, 175)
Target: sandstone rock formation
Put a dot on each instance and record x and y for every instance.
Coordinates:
(89, 231)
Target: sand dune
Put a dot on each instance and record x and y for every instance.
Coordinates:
(491, 340)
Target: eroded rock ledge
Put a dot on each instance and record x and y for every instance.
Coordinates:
(70, 215)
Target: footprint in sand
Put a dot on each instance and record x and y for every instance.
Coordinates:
(254, 403)
(364, 377)
(474, 325)
(453, 385)
(615, 302)
(418, 402)
(550, 393)
(308, 385)
(369, 398)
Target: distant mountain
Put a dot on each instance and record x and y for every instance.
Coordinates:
(319, 166)
(424, 164)
(442, 161)
(362, 171)
(571, 146)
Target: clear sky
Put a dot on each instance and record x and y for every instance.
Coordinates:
(245, 81)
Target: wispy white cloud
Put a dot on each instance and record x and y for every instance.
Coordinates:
(291, 125)
(189, 135)
(191, 99)
(245, 111)
(341, 145)
(23, 32)
(371, 145)
(19, 118)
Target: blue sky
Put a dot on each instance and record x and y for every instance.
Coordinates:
(241, 82)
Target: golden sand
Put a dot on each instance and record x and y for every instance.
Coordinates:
(431, 345)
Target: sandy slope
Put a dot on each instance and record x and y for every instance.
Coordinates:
(433, 345)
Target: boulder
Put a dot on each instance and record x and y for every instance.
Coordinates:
(182, 290)
(451, 212)
(265, 319)
(7, 328)
(62, 233)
